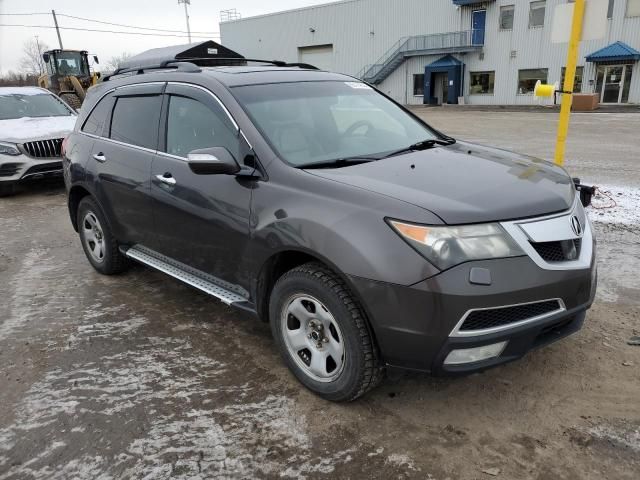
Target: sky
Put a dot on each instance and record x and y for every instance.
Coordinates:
(160, 14)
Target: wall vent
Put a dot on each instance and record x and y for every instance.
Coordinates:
(514, 53)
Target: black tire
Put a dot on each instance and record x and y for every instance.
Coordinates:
(112, 261)
(361, 370)
(8, 188)
(71, 99)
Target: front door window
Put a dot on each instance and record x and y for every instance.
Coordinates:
(613, 82)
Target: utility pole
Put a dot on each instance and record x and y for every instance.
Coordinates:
(186, 15)
(40, 65)
(55, 21)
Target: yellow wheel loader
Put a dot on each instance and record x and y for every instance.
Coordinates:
(68, 75)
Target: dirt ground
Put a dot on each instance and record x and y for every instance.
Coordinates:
(139, 376)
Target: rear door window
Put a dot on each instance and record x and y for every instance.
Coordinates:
(135, 120)
(99, 117)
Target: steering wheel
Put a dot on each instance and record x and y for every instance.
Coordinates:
(349, 132)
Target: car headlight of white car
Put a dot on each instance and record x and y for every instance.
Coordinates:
(9, 149)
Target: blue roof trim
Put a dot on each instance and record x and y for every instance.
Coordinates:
(614, 52)
(447, 61)
(464, 3)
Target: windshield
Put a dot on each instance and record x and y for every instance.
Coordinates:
(40, 105)
(309, 122)
(71, 63)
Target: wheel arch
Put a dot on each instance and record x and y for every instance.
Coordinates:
(75, 196)
(283, 261)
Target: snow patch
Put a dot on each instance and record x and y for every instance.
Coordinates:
(402, 460)
(613, 204)
(22, 91)
(626, 437)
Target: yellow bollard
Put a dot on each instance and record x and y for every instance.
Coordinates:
(569, 78)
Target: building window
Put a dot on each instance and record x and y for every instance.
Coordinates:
(536, 14)
(481, 83)
(527, 79)
(506, 17)
(633, 8)
(418, 85)
(577, 82)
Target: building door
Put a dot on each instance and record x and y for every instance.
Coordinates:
(441, 87)
(613, 82)
(320, 56)
(478, 19)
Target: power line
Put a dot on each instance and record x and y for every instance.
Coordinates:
(104, 31)
(107, 23)
(129, 26)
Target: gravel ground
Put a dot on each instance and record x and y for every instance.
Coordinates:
(138, 376)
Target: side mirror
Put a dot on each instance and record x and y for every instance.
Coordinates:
(45, 57)
(212, 161)
(95, 59)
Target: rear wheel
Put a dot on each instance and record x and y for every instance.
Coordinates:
(71, 99)
(322, 335)
(99, 244)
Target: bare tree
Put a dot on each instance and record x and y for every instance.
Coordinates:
(31, 61)
(114, 62)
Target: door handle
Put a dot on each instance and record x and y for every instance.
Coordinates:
(167, 179)
(99, 157)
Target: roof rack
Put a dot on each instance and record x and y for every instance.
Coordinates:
(190, 65)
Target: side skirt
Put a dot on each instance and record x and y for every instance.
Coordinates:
(226, 292)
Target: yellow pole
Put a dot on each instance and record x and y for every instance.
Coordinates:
(569, 78)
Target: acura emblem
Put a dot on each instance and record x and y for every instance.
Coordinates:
(575, 226)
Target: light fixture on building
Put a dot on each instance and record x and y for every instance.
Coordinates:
(312, 30)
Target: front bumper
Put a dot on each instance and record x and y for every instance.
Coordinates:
(415, 325)
(21, 167)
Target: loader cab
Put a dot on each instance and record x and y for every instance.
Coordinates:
(67, 62)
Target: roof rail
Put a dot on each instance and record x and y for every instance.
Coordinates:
(178, 65)
(188, 65)
(219, 62)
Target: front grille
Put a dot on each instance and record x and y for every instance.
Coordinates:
(9, 169)
(559, 251)
(43, 148)
(498, 317)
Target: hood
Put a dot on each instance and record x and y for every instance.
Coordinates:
(465, 183)
(27, 129)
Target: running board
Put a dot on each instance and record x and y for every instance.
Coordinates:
(223, 291)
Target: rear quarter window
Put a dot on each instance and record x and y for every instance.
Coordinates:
(135, 120)
(99, 117)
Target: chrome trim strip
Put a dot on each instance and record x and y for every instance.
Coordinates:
(42, 174)
(515, 229)
(169, 155)
(456, 332)
(117, 142)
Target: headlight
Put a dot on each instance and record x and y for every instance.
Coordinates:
(8, 149)
(449, 246)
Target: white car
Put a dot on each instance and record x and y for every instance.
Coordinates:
(33, 124)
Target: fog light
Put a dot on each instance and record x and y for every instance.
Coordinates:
(477, 354)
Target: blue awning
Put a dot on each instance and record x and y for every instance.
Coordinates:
(615, 52)
(445, 62)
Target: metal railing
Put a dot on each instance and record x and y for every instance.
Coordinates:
(432, 43)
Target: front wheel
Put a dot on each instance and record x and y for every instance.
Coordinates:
(322, 334)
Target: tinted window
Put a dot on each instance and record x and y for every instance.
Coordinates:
(18, 105)
(318, 121)
(135, 120)
(192, 125)
(97, 118)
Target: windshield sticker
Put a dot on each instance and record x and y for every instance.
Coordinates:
(358, 85)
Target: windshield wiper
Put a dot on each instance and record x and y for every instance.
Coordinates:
(423, 145)
(337, 163)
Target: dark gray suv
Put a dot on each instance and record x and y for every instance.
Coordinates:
(367, 239)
